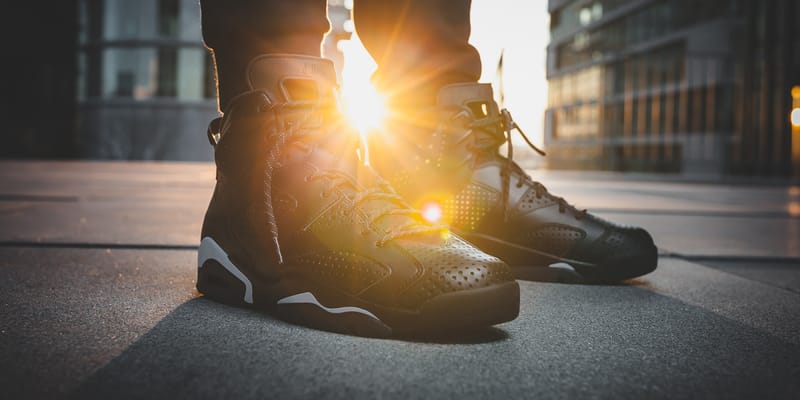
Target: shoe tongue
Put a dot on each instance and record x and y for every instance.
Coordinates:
(476, 96)
(293, 78)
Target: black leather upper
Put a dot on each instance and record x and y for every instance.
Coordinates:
(338, 224)
(455, 147)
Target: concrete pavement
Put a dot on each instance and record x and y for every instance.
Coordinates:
(97, 301)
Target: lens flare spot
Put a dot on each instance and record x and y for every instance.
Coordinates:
(432, 212)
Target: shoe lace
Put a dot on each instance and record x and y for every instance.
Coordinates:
(416, 224)
(282, 132)
(489, 138)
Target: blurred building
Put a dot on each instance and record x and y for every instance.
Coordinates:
(145, 83)
(696, 87)
(115, 79)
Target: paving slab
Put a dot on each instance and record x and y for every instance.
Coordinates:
(614, 192)
(732, 236)
(104, 202)
(103, 222)
(780, 274)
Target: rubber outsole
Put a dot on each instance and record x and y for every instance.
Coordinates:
(536, 265)
(309, 304)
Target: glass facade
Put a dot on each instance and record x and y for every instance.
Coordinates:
(659, 85)
(146, 86)
(579, 14)
(142, 50)
(653, 20)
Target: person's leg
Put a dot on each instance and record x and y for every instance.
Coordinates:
(441, 151)
(419, 45)
(238, 31)
(297, 224)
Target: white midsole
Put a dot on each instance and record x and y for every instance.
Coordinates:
(210, 250)
(562, 266)
(308, 298)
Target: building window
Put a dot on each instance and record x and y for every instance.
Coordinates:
(168, 11)
(654, 20)
(125, 84)
(139, 50)
(167, 72)
(129, 72)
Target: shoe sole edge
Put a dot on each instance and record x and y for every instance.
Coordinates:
(578, 271)
(301, 303)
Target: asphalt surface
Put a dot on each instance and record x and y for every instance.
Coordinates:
(97, 300)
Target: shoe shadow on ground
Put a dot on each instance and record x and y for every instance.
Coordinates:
(627, 341)
(548, 275)
(202, 343)
(481, 335)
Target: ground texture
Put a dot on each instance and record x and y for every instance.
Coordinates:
(97, 300)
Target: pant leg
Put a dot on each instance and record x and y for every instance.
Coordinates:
(419, 45)
(238, 30)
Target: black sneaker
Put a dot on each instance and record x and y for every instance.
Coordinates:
(299, 226)
(451, 167)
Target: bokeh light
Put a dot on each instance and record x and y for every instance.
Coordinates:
(432, 212)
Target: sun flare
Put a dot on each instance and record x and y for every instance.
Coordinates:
(363, 105)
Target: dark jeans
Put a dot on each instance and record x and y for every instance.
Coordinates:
(419, 45)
